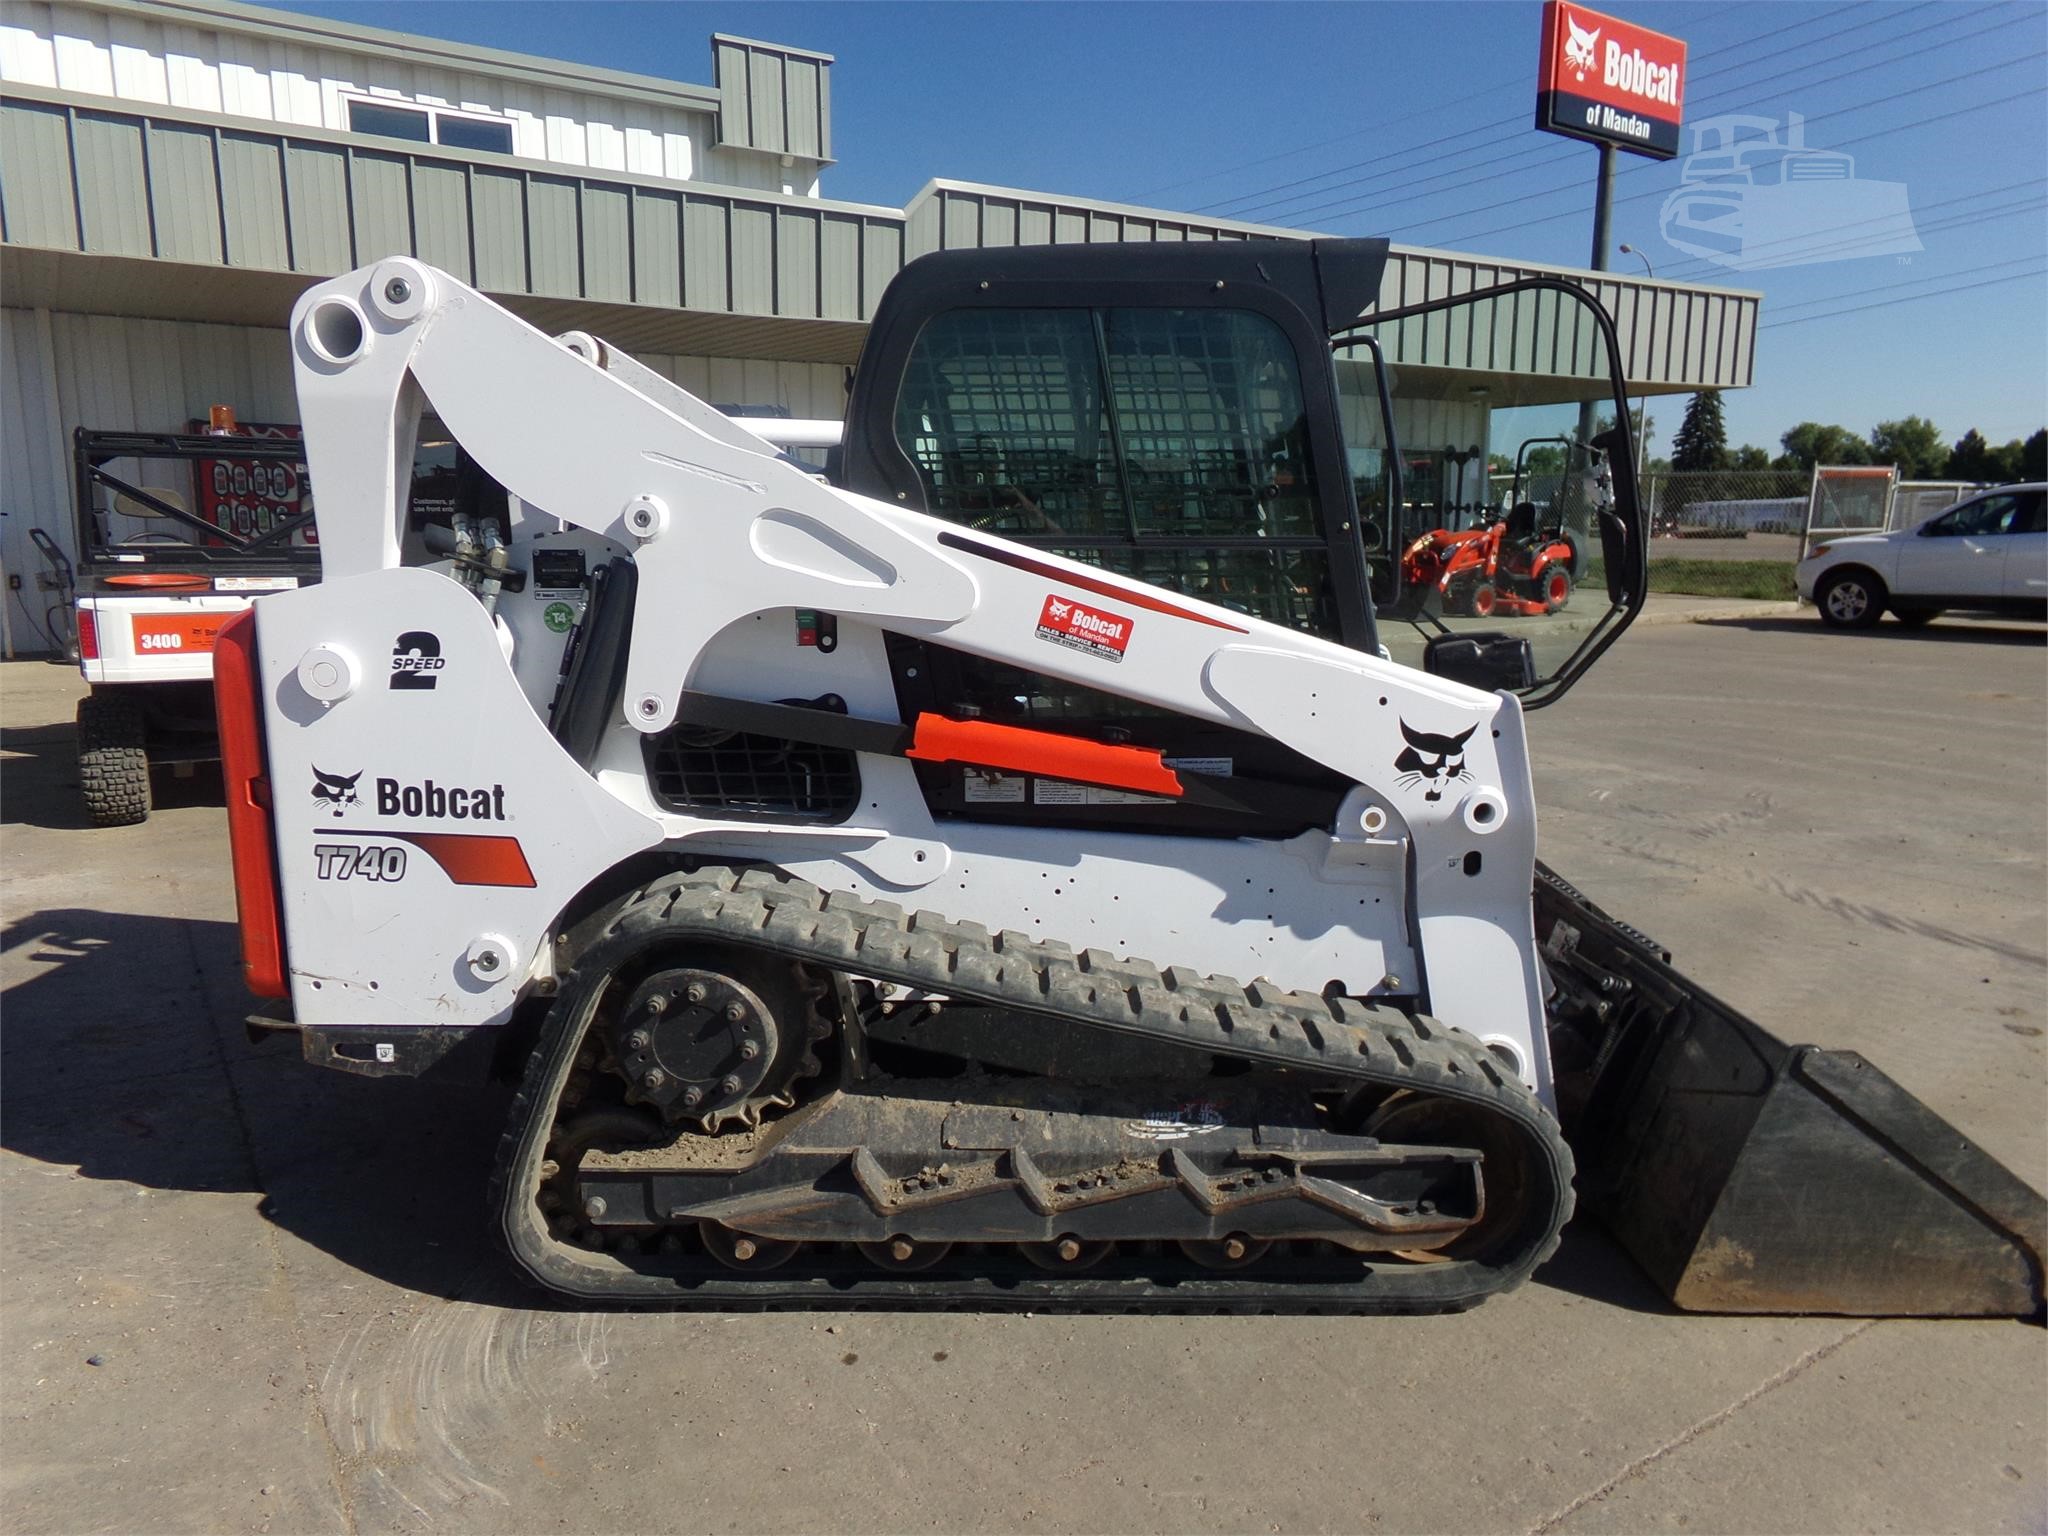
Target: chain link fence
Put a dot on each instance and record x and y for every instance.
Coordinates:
(1726, 532)
(1716, 533)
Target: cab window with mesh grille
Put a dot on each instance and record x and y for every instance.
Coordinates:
(1167, 444)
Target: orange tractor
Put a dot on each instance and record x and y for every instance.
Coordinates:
(1504, 567)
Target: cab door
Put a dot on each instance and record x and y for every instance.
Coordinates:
(1960, 554)
(2026, 550)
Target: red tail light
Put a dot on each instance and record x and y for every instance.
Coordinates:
(238, 704)
(88, 635)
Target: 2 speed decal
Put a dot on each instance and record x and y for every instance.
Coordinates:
(1099, 633)
(415, 660)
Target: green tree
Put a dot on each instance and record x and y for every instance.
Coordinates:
(1748, 456)
(1913, 444)
(1812, 442)
(2034, 456)
(1702, 440)
(1972, 458)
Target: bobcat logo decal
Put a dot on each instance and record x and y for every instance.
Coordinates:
(331, 789)
(1435, 760)
(1578, 49)
(1058, 609)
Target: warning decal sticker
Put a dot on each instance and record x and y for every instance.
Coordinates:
(1075, 625)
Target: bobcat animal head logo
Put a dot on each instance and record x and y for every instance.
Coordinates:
(1432, 759)
(1059, 609)
(1578, 49)
(331, 789)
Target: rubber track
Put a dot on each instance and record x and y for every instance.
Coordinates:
(1331, 1038)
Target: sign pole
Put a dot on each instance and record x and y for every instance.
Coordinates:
(1603, 207)
(1603, 219)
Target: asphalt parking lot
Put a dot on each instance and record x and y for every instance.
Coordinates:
(240, 1294)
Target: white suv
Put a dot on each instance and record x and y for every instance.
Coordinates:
(1985, 555)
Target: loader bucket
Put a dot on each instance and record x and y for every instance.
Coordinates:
(1746, 1175)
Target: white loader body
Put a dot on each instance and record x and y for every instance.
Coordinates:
(408, 728)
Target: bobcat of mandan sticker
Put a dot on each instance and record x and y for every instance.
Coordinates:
(1075, 625)
(415, 659)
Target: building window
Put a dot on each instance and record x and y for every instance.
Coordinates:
(429, 125)
(472, 133)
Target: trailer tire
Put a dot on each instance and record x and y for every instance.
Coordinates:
(113, 760)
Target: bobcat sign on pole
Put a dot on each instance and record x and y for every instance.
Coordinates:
(1609, 82)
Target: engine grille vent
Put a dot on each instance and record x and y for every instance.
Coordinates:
(733, 773)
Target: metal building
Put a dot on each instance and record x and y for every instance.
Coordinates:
(173, 173)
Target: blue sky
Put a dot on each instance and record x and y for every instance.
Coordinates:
(1412, 120)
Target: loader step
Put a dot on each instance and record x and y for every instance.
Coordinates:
(848, 1262)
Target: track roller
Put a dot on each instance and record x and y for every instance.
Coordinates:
(740, 1250)
(903, 1256)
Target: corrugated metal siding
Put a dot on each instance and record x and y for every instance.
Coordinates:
(380, 204)
(498, 206)
(113, 186)
(773, 99)
(117, 53)
(1670, 336)
(752, 236)
(252, 202)
(607, 244)
(36, 203)
(658, 249)
(207, 193)
(171, 188)
(32, 491)
(183, 185)
(316, 195)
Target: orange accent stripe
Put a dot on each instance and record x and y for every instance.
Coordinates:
(936, 739)
(238, 711)
(472, 858)
(164, 581)
(1137, 598)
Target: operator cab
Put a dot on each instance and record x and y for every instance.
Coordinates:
(1243, 423)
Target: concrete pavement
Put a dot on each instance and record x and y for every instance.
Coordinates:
(300, 1325)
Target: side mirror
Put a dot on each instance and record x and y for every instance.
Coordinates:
(1490, 661)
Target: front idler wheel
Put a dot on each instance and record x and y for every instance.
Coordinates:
(1415, 1119)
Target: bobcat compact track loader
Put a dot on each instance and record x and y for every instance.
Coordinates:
(1014, 873)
